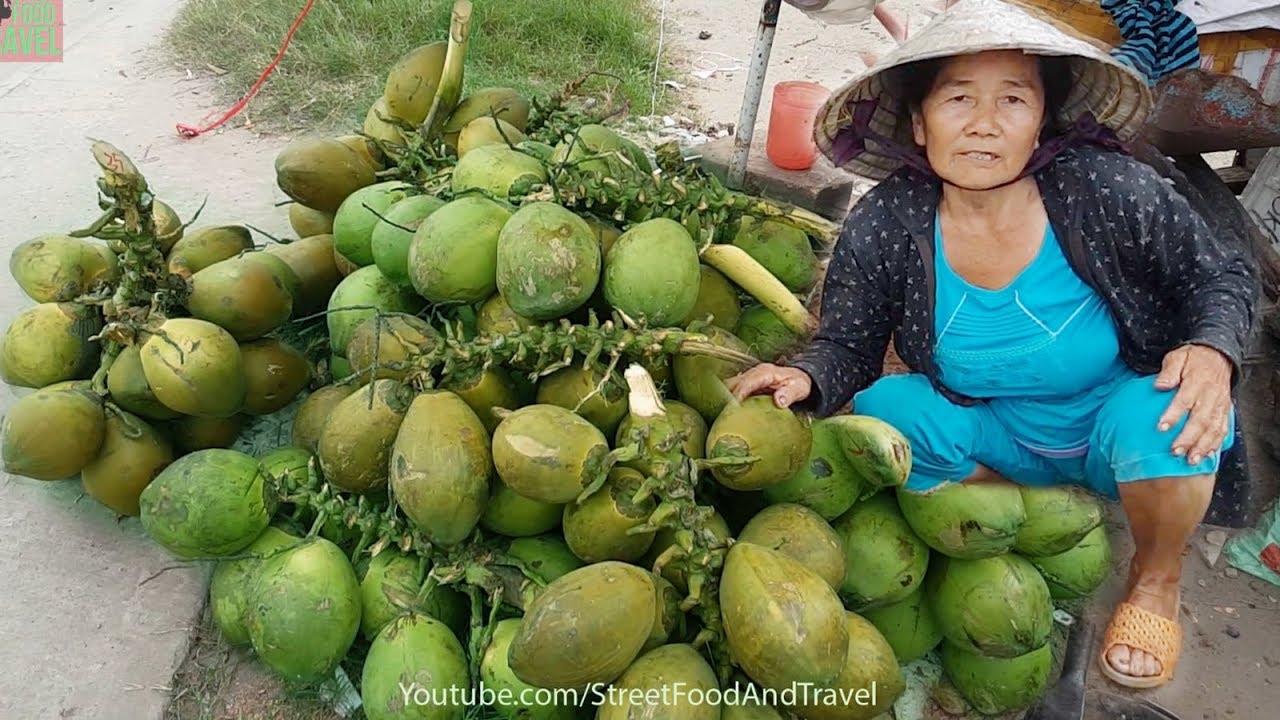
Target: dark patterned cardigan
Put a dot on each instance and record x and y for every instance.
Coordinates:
(1128, 234)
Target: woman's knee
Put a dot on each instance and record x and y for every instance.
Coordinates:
(904, 401)
(1127, 434)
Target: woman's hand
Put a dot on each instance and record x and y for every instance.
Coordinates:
(1202, 376)
(788, 385)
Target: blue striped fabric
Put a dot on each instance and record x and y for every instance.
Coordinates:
(1158, 39)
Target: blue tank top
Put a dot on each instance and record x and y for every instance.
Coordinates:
(1043, 350)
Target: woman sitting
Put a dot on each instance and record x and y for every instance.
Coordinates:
(1065, 315)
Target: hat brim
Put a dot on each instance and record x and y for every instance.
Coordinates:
(1116, 94)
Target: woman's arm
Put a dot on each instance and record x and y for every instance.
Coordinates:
(856, 316)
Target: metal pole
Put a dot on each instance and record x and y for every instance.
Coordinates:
(755, 87)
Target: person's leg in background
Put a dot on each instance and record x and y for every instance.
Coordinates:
(1164, 500)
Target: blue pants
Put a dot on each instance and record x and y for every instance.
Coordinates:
(949, 440)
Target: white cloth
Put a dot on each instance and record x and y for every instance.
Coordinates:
(1215, 16)
(836, 12)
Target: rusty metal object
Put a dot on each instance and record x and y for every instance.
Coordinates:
(1199, 112)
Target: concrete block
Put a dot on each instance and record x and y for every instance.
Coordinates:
(823, 188)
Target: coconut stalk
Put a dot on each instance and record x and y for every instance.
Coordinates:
(449, 91)
(146, 290)
(673, 479)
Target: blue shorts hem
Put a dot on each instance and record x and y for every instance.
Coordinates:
(1161, 465)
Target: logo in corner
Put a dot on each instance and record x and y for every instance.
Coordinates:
(31, 30)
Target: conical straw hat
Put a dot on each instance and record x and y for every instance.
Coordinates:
(1116, 94)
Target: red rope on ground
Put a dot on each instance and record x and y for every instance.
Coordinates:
(188, 131)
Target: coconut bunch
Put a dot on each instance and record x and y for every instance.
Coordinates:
(149, 338)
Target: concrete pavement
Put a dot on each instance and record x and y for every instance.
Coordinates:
(85, 634)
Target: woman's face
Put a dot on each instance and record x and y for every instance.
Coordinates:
(981, 121)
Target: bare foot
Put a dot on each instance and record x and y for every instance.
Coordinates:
(1157, 596)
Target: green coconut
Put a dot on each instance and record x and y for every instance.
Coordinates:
(233, 581)
(657, 672)
(548, 453)
(509, 513)
(411, 83)
(389, 588)
(801, 534)
(487, 131)
(495, 317)
(879, 453)
(717, 300)
(416, 669)
(321, 172)
(585, 627)
(652, 273)
(777, 439)
(208, 503)
(199, 433)
(884, 559)
(997, 606)
(548, 261)
(966, 520)
(604, 526)
(304, 611)
(307, 222)
(393, 235)
(747, 707)
(547, 557)
(314, 412)
(355, 445)
(1058, 518)
(286, 274)
(509, 690)
(784, 624)
(767, 337)
(597, 148)
(287, 464)
(502, 102)
(586, 391)
(908, 625)
(827, 482)
(133, 453)
(1079, 571)
(997, 685)
(669, 621)
(498, 170)
(699, 379)
(312, 261)
(244, 297)
(363, 293)
(784, 250)
(383, 346)
(29, 449)
(358, 215)
(49, 343)
(868, 685)
(208, 246)
(127, 384)
(59, 268)
(275, 373)
(453, 254)
(441, 466)
(196, 368)
(487, 391)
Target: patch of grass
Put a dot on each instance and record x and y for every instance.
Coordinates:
(336, 66)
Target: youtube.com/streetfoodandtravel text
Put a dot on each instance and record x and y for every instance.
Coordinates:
(601, 694)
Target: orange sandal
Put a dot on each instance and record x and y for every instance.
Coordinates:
(1142, 630)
